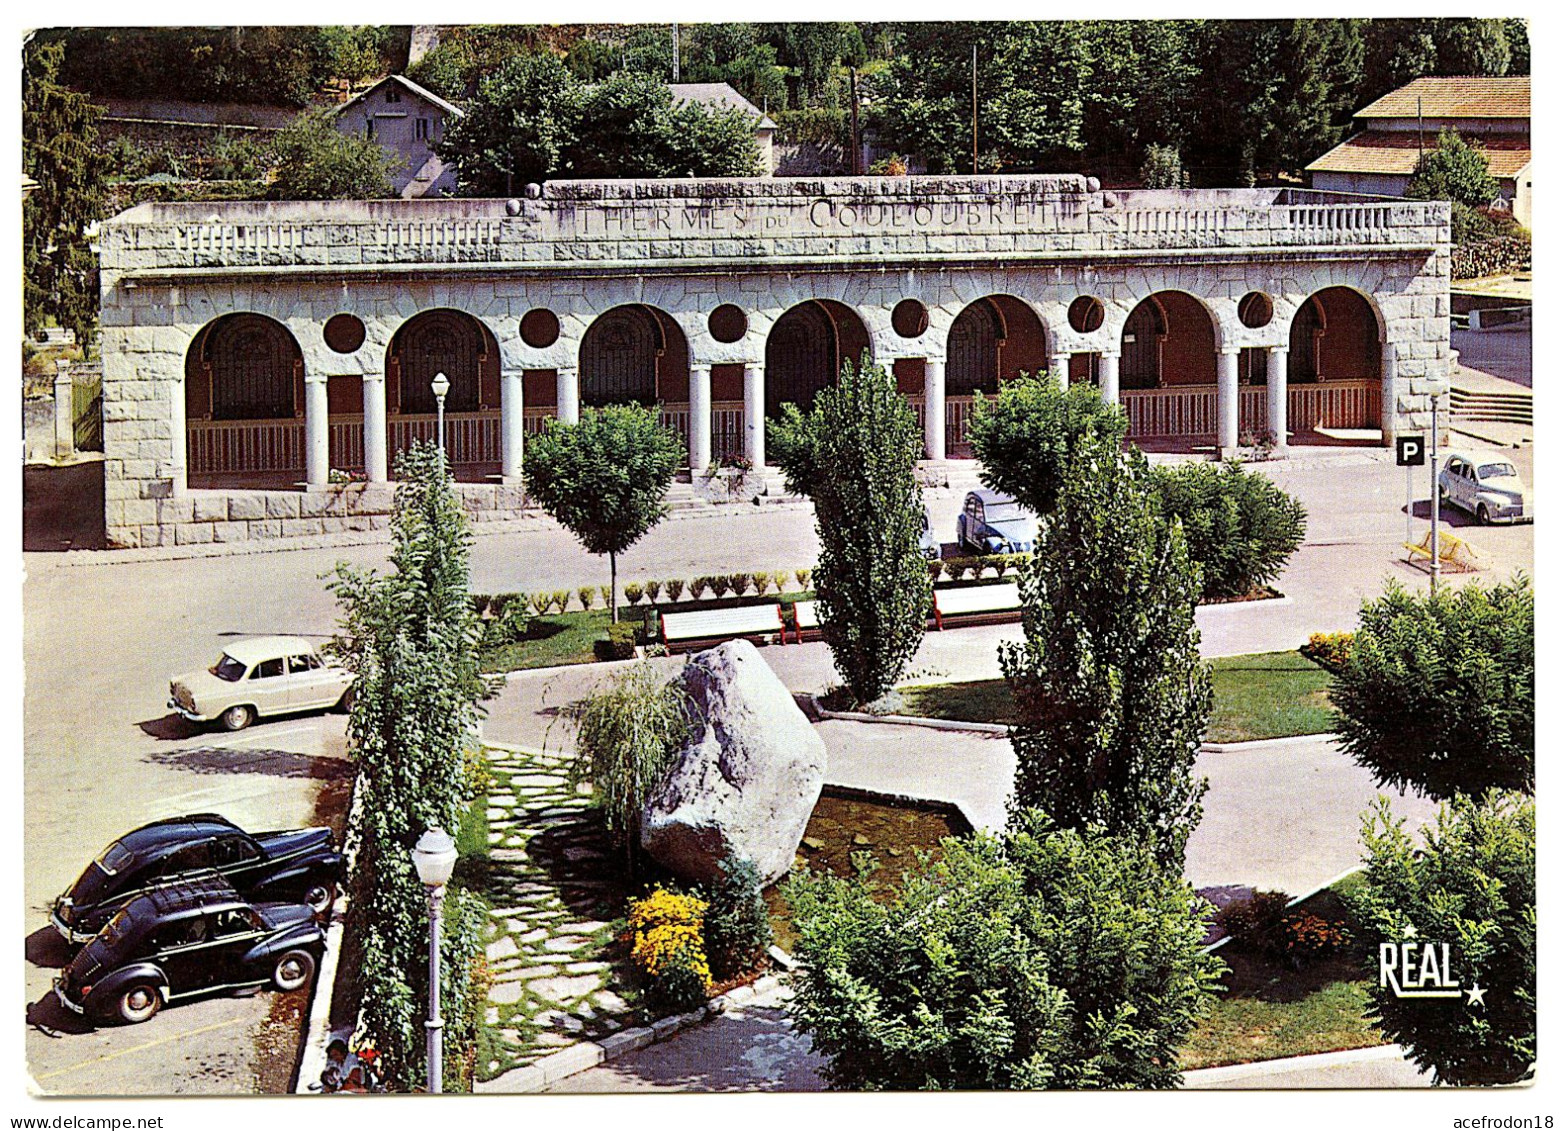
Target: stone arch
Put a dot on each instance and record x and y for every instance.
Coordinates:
(805, 350)
(1169, 338)
(442, 341)
(634, 353)
(1335, 336)
(996, 338)
(244, 366)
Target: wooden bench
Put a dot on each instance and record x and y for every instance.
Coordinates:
(688, 631)
(977, 604)
(1455, 554)
(806, 618)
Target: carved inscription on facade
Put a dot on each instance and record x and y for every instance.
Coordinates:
(824, 215)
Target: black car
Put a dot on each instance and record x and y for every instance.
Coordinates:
(185, 938)
(297, 865)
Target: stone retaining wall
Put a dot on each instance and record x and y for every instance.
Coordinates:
(202, 517)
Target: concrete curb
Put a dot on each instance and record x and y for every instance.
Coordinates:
(1259, 743)
(589, 1054)
(1261, 1068)
(907, 720)
(317, 1029)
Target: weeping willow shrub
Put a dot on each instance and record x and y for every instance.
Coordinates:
(627, 735)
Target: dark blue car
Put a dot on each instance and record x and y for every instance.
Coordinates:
(294, 865)
(186, 939)
(994, 523)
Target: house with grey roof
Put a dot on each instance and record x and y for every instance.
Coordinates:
(407, 120)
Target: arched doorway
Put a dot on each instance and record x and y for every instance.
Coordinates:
(805, 351)
(1168, 340)
(244, 404)
(634, 354)
(1167, 368)
(458, 345)
(1334, 362)
(1334, 337)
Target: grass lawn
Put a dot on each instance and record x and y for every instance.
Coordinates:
(559, 638)
(1264, 695)
(1270, 1010)
(1268, 695)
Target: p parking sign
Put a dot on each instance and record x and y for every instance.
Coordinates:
(1411, 451)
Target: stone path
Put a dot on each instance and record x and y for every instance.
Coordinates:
(550, 933)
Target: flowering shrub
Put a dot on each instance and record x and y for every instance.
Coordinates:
(1329, 649)
(666, 948)
(1306, 937)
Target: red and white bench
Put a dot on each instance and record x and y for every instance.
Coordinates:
(688, 631)
(806, 619)
(977, 604)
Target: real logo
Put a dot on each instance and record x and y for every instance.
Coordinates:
(1416, 969)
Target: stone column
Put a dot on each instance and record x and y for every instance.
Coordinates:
(64, 411)
(317, 431)
(1059, 364)
(1108, 376)
(1276, 396)
(178, 441)
(755, 415)
(1227, 400)
(513, 428)
(375, 440)
(567, 396)
(1388, 416)
(934, 407)
(700, 418)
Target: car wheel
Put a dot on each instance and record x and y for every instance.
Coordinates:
(1483, 517)
(320, 895)
(238, 717)
(345, 704)
(139, 1003)
(294, 969)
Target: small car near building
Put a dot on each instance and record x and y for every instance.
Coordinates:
(295, 865)
(185, 939)
(259, 677)
(1486, 487)
(993, 523)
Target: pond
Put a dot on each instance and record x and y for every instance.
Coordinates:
(889, 830)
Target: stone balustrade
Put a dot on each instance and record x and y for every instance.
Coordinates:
(595, 225)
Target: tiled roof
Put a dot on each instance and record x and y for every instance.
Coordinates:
(1396, 153)
(1460, 97)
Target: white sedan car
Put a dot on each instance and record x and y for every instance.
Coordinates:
(264, 675)
(1486, 487)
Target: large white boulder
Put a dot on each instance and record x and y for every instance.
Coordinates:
(748, 779)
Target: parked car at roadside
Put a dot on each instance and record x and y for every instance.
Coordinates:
(993, 523)
(301, 865)
(1488, 488)
(184, 939)
(259, 677)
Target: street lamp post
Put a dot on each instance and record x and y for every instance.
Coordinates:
(434, 856)
(441, 385)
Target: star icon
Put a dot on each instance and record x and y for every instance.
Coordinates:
(1409, 932)
(1474, 996)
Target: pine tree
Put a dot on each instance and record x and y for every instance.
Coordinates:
(1111, 694)
(60, 151)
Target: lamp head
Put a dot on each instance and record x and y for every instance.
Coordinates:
(434, 858)
(441, 384)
